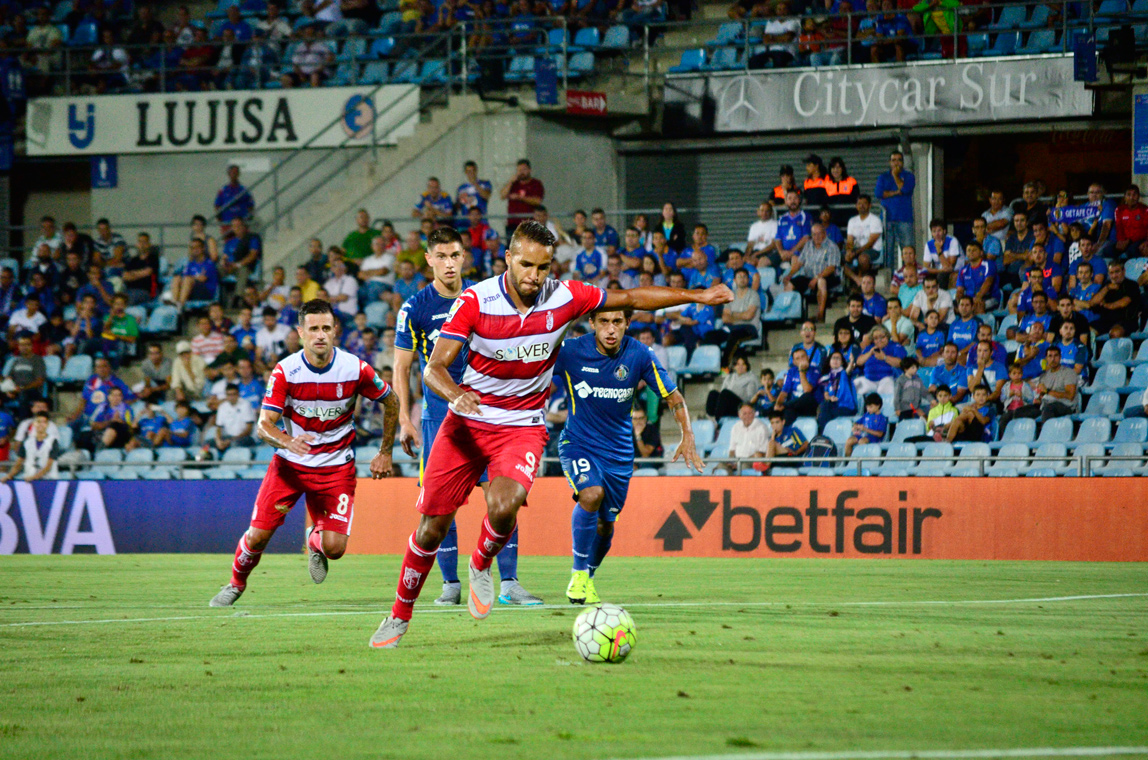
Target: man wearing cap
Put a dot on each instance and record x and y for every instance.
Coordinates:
(188, 373)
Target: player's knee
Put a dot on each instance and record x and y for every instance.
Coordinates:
(605, 529)
(590, 499)
(334, 546)
(257, 539)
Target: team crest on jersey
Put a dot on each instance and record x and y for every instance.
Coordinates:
(411, 577)
(339, 390)
(549, 321)
(621, 373)
(583, 478)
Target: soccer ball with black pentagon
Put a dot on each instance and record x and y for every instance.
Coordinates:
(605, 633)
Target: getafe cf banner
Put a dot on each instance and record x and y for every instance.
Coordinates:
(226, 120)
(926, 93)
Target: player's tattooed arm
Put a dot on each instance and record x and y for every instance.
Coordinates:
(269, 432)
(381, 465)
(654, 298)
(687, 449)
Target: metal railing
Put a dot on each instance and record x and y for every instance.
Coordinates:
(861, 466)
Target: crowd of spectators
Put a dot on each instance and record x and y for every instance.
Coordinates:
(966, 335)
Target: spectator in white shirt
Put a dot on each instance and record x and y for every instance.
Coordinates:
(234, 420)
(274, 27)
(863, 241)
(310, 61)
(998, 217)
(762, 233)
(931, 297)
(343, 290)
(27, 320)
(50, 237)
(270, 340)
(749, 437)
(780, 37)
(376, 272)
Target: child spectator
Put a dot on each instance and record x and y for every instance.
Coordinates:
(870, 427)
(909, 396)
(931, 340)
(836, 393)
(940, 415)
(786, 441)
(974, 423)
(766, 395)
(1016, 392)
(182, 428)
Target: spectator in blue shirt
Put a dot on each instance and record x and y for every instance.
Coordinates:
(986, 370)
(880, 364)
(700, 243)
(605, 236)
(978, 279)
(949, 372)
(810, 345)
(798, 396)
(793, 228)
(974, 423)
(963, 330)
(233, 201)
(835, 392)
(932, 339)
(98, 288)
(1083, 291)
(474, 193)
(1100, 223)
(784, 441)
(1030, 354)
(590, 263)
(894, 190)
(872, 302)
(199, 280)
(182, 429)
(893, 35)
(734, 263)
(696, 321)
(869, 427)
(434, 204)
(702, 273)
(236, 24)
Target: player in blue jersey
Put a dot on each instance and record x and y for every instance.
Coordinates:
(416, 330)
(602, 371)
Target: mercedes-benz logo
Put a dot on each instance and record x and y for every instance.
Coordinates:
(740, 104)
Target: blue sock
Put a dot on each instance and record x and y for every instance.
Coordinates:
(601, 549)
(583, 528)
(448, 555)
(508, 558)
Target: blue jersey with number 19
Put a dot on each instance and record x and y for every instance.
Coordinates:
(417, 328)
(601, 392)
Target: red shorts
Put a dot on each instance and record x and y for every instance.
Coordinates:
(330, 493)
(464, 448)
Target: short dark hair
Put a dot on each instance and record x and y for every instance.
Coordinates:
(42, 415)
(785, 170)
(774, 414)
(199, 218)
(908, 361)
(269, 311)
(700, 226)
(443, 236)
(874, 399)
(533, 232)
(103, 220)
(523, 162)
(1053, 348)
(627, 313)
(468, 164)
(967, 297)
(945, 388)
(857, 297)
(597, 211)
(51, 219)
(232, 387)
(981, 387)
(866, 197)
(314, 306)
(937, 222)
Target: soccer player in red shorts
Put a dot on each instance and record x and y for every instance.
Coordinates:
(313, 392)
(512, 326)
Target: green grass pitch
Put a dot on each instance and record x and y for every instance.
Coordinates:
(121, 657)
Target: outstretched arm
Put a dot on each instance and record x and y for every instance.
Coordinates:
(653, 298)
(686, 450)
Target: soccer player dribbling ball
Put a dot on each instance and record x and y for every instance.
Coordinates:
(601, 372)
(313, 392)
(512, 325)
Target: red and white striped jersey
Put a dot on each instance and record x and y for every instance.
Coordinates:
(512, 355)
(322, 402)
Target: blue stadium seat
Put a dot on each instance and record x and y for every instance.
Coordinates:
(839, 430)
(7, 370)
(704, 431)
(346, 74)
(908, 429)
(1128, 450)
(586, 38)
(1008, 321)
(1131, 430)
(723, 59)
(1108, 376)
(77, 370)
(433, 72)
(720, 446)
(1141, 355)
(692, 60)
(1056, 449)
(1005, 44)
(1038, 19)
(376, 72)
(164, 320)
(255, 472)
(1039, 42)
(521, 68)
(1010, 469)
(1133, 406)
(1011, 17)
(787, 307)
(767, 275)
(221, 473)
(728, 32)
(353, 49)
(936, 460)
(157, 473)
(581, 63)
(107, 462)
(86, 34)
(1115, 351)
(556, 39)
(807, 426)
(679, 469)
(188, 473)
(376, 312)
(390, 22)
(706, 361)
(66, 437)
(1041, 472)
(1100, 404)
(60, 14)
(1111, 11)
(171, 455)
(868, 454)
(1093, 430)
(646, 472)
(1133, 268)
(139, 312)
(968, 464)
(1138, 382)
(405, 72)
(236, 457)
(1058, 430)
(617, 37)
(1020, 430)
(898, 450)
(675, 358)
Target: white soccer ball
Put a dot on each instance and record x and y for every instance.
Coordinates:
(605, 633)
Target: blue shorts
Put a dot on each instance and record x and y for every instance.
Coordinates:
(430, 430)
(584, 469)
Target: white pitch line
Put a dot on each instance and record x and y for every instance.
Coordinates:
(243, 614)
(940, 754)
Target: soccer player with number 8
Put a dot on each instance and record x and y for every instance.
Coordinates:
(512, 325)
(313, 392)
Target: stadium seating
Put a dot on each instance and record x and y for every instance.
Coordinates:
(1057, 466)
(897, 450)
(839, 430)
(1108, 376)
(1039, 42)
(691, 60)
(675, 358)
(1058, 430)
(77, 370)
(1003, 468)
(705, 362)
(1038, 19)
(1100, 404)
(936, 460)
(1118, 350)
(868, 455)
(1092, 430)
(788, 307)
(969, 461)
(1132, 430)
(1011, 17)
